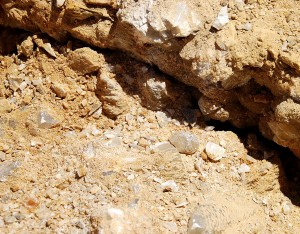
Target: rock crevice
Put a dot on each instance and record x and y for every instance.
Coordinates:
(242, 57)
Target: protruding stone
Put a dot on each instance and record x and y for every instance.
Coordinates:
(169, 186)
(156, 91)
(185, 142)
(163, 147)
(5, 106)
(244, 168)
(59, 90)
(26, 47)
(60, 3)
(196, 224)
(222, 19)
(162, 118)
(214, 151)
(111, 94)
(7, 168)
(212, 109)
(84, 60)
(180, 20)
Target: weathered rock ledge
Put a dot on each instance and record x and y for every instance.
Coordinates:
(243, 57)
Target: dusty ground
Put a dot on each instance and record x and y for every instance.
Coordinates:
(81, 172)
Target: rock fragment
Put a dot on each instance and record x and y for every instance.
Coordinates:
(243, 168)
(156, 91)
(26, 47)
(222, 19)
(185, 142)
(162, 118)
(60, 3)
(214, 151)
(15, 83)
(169, 186)
(196, 224)
(84, 60)
(46, 120)
(163, 147)
(59, 90)
(5, 106)
(180, 20)
(7, 167)
(41, 43)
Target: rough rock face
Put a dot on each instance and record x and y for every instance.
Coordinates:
(243, 57)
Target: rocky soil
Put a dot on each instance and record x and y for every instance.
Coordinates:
(95, 141)
(152, 166)
(243, 56)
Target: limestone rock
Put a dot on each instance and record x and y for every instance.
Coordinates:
(84, 60)
(185, 142)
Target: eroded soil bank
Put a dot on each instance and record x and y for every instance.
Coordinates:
(242, 56)
(91, 139)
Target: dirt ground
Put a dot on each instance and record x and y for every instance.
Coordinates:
(67, 168)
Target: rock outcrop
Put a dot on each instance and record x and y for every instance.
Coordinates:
(243, 57)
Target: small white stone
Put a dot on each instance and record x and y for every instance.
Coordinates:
(185, 142)
(113, 213)
(285, 46)
(169, 186)
(60, 3)
(285, 208)
(244, 168)
(45, 120)
(21, 66)
(214, 151)
(209, 128)
(248, 26)
(222, 19)
(157, 180)
(130, 177)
